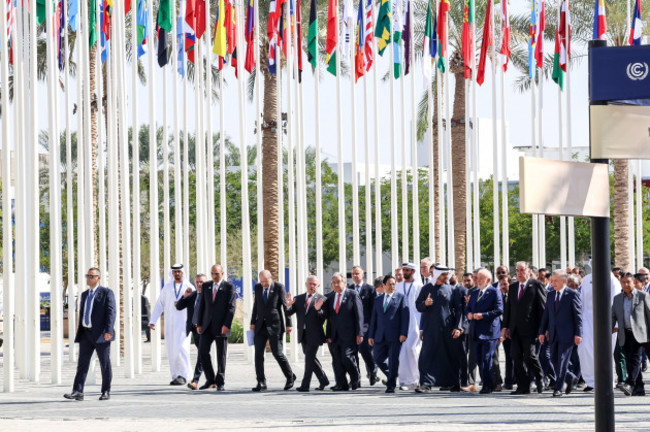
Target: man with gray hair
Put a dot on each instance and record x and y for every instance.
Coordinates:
(425, 273)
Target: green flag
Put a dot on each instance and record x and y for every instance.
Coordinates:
(92, 24)
(382, 29)
(558, 73)
(40, 12)
(165, 15)
(312, 45)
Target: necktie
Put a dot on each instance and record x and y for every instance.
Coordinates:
(358, 287)
(338, 302)
(557, 301)
(480, 294)
(196, 302)
(89, 301)
(386, 303)
(307, 302)
(521, 292)
(214, 292)
(266, 294)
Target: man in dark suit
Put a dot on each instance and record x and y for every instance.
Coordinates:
(344, 332)
(145, 308)
(216, 311)
(190, 301)
(562, 322)
(523, 314)
(268, 321)
(483, 311)
(389, 325)
(94, 334)
(631, 311)
(459, 293)
(311, 335)
(368, 295)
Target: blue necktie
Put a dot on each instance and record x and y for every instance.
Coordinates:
(89, 300)
(266, 290)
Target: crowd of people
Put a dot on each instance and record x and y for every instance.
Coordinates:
(423, 331)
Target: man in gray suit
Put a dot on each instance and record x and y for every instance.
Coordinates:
(631, 311)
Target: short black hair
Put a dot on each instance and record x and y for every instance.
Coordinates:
(625, 274)
(387, 277)
(468, 274)
(643, 278)
(379, 281)
(616, 269)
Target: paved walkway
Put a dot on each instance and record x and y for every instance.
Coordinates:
(148, 403)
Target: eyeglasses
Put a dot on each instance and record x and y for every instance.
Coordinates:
(91, 276)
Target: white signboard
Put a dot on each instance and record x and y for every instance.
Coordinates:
(558, 188)
(620, 132)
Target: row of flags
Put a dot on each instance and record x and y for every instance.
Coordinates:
(392, 27)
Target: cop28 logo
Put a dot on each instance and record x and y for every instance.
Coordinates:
(637, 71)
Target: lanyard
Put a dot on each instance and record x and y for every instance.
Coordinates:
(176, 293)
(409, 291)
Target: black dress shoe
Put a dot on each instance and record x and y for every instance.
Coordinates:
(390, 390)
(557, 393)
(423, 389)
(520, 392)
(178, 381)
(588, 389)
(355, 385)
(507, 387)
(207, 385)
(105, 396)
(485, 390)
(260, 387)
(540, 386)
(220, 388)
(337, 388)
(75, 395)
(445, 388)
(374, 379)
(290, 381)
(572, 385)
(455, 389)
(323, 384)
(627, 389)
(302, 389)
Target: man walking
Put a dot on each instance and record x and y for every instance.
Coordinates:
(367, 294)
(190, 302)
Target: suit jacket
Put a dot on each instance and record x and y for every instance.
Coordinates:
(445, 312)
(388, 325)
(188, 303)
(523, 317)
(102, 317)
(345, 326)
(491, 306)
(272, 312)
(458, 294)
(566, 323)
(219, 313)
(639, 316)
(368, 295)
(310, 321)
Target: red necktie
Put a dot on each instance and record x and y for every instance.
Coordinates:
(307, 302)
(521, 292)
(338, 303)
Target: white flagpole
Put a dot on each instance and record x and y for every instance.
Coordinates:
(505, 204)
(630, 197)
(303, 257)
(572, 249)
(154, 213)
(404, 187)
(339, 158)
(319, 183)
(258, 117)
(536, 152)
(540, 132)
(451, 253)
(211, 255)
(475, 159)
(563, 237)
(356, 253)
(431, 183)
(8, 350)
(165, 156)
(178, 199)
(495, 149)
(223, 241)
(56, 311)
(135, 133)
(101, 175)
(186, 174)
(368, 184)
(414, 148)
(199, 154)
(639, 216)
(468, 180)
(379, 249)
(393, 183)
(281, 252)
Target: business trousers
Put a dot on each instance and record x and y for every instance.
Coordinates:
(485, 349)
(344, 360)
(386, 355)
(633, 351)
(561, 359)
(312, 365)
(525, 360)
(620, 364)
(509, 378)
(366, 355)
(275, 342)
(198, 369)
(471, 361)
(205, 343)
(461, 359)
(548, 366)
(86, 348)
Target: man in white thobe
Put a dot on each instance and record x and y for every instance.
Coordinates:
(176, 339)
(409, 374)
(586, 348)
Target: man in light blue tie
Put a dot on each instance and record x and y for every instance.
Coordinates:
(94, 334)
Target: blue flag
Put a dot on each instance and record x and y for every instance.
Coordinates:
(73, 12)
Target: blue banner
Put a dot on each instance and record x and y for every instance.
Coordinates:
(619, 73)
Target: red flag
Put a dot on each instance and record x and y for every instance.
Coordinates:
(127, 6)
(505, 41)
(249, 63)
(199, 14)
(231, 27)
(539, 45)
(487, 42)
(468, 39)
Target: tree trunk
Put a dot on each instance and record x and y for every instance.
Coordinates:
(621, 215)
(270, 171)
(459, 165)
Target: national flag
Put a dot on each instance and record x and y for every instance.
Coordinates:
(127, 6)
(505, 31)
(485, 44)
(539, 35)
(558, 73)
(189, 28)
(143, 25)
(382, 31)
(398, 27)
(430, 44)
(564, 32)
(275, 10)
(443, 10)
(11, 19)
(220, 46)
(346, 31)
(40, 12)
(368, 35)
(359, 51)
(532, 34)
(199, 17)
(73, 15)
(637, 26)
(249, 63)
(406, 37)
(299, 38)
(180, 40)
(468, 37)
(105, 28)
(92, 24)
(600, 20)
(60, 29)
(312, 35)
(165, 15)
(332, 42)
(163, 44)
(231, 26)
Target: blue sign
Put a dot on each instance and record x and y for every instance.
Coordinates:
(619, 73)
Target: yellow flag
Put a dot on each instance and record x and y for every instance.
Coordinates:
(219, 47)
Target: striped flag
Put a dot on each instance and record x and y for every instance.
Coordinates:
(468, 37)
(249, 63)
(398, 27)
(565, 35)
(220, 47)
(312, 34)
(505, 31)
(532, 41)
(368, 35)
(430, 45)
(180, 39)
(600, 20)
(346, 31)
(332, 42)
(539, 36)
(443, 9)
(359, 47)
(143, 25)
(637, 26)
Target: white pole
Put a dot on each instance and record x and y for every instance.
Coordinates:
(495, 151)
(223, 241)
(303, 257)
(186, 175)
(319, 183)
(339, 158)
(630, 195)
(451, 253)
(639, 217)
(211, 255)
(468, 180)
(135, 133)
(56, 309)
(414, 147)
(572, 248)
(368, 184)
(258, 117)
(563, 238)
(356, 253)
(178, 173)
(535, 150)
(154, 213)
(281, 242)
(505, 204)
(8, 351)
(540, 132)
(101, 175)
(379, 248)
(404, 187)
(199, 154)
(431, 183)
(165, 156)
(393, 172)
(475, 158)
(441, 151)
